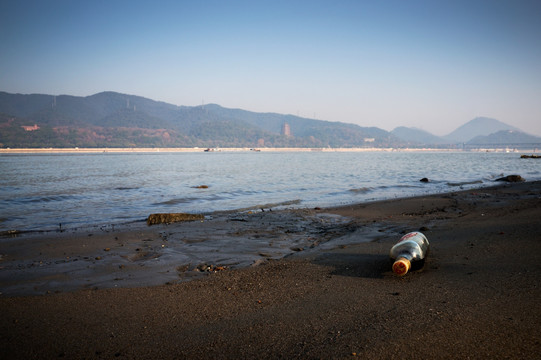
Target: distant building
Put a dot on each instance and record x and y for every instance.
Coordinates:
(30, 128)
(286, 130)
(369, 140)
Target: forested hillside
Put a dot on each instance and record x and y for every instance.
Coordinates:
(111, 119)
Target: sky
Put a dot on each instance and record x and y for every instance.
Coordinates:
(433, 64)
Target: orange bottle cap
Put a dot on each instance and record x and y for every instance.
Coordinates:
(401, 266)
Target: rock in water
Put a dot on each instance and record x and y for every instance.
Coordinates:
(511, 178)
(168, 218)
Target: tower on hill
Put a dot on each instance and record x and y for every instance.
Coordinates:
(286, 129)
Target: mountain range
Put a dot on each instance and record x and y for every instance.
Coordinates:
(110, 119)
(479, 132)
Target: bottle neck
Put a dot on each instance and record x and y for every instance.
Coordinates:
(405, 255)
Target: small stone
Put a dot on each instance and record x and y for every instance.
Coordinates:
(202, 267)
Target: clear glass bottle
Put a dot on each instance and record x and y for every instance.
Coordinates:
(409, 253)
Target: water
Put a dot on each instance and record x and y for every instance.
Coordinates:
(39, 192)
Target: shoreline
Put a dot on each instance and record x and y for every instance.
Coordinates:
(155, 248)
(476, 296)
(243, 149)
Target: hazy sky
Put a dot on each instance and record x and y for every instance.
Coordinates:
(432, 64)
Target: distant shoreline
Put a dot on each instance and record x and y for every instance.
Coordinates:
(242, 149)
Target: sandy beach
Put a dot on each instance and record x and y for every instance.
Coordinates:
(321, 289)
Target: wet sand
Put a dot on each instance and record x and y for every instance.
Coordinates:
(333, 296)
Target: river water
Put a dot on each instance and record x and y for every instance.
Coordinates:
(42, 191)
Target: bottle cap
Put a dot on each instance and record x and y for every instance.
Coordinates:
(401, 266)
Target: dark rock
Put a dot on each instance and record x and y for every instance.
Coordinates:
(424, 180)
(511, 178)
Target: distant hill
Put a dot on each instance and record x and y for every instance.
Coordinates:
(480, 131)
(480, 126)
(416, 136)
(111, 119)
(506, 137)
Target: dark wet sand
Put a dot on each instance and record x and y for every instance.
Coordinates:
(477, 296)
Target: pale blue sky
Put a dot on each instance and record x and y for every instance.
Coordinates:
(428, 64)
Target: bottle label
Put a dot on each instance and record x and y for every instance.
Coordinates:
(407, 236)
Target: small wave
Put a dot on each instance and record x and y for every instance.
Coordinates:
(9, 189)
(398, 186)
(494, 176)
(40, 199)
(465, 183)
(272, 205)
(185, 200)
(238, 193)
(362, 190)
(176, 201)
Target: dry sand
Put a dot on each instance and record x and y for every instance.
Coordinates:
(477, 296)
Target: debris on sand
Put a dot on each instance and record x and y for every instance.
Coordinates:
(168, 218)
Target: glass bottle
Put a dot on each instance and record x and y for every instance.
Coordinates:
(409, 253)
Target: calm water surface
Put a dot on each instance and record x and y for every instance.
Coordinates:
(38, 192)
